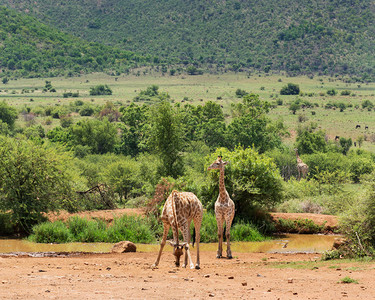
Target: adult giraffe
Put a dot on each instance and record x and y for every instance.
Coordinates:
(178, 211)
(224, 208)
(303, 169)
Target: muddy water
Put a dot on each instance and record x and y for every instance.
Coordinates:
(287, 243)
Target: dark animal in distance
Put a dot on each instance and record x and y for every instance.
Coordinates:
(358, 126)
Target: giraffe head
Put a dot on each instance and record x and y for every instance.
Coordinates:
(218, 164)
(178, 251)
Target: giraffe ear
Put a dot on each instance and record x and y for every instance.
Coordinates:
(225, 163)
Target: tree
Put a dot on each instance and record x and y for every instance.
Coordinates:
(294, 106)
(166, 138)
(133, 139)
(345, 144)
(290, 89)
(34, 179)
(250, 125)
(308, 142)
(100, 90)
(100, 136)
(8, 114)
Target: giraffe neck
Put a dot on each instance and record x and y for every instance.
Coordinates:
(222, 190)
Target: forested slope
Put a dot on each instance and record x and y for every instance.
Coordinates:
(298, 36)
(30, 48)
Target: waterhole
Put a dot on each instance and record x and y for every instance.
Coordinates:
(290, 243)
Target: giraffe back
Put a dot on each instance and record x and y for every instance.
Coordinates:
(187, 207)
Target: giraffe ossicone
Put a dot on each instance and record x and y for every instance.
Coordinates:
(224, 208)
(179, 210)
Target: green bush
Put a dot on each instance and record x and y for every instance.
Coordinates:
(246, 233)
(100, 90)
(135, 229)
(290, 89)
(55, 232)
(209, 228)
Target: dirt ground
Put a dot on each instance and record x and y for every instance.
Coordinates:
(130, 276)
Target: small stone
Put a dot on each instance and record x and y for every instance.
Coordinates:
(231, 277)
(108, 268)
(211, 295)
(295, 293)
(290, 280)
(4, 282)
(244, 283)
(42, 271)
(207, 276)
(269, 290)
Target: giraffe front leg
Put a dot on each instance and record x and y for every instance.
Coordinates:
(220, 238)
(162, 244)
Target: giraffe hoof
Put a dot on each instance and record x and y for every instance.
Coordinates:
(197, 267)
(229, 257)
(218, 256)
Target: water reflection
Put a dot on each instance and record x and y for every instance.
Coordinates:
(287, 243)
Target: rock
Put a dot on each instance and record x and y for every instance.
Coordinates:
(290, 280)
(244, 283)
(124, 246)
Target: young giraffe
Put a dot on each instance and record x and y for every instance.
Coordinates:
(178, 211)
(224, 208)
(301, 166)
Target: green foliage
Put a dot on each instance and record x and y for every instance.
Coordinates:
(31, 48)
(367, 104)
(358, 225)
(166, 138)
(100, 136)
(332, 92)
(298, 226)
(99, 90)
(249, 126)
(347, 279)
(335, 39)
(34, 179)
(8, 114)
(209, 228)
(290, 89)
(55, 232)
(246, 233)
(308, 142)
(360, 165)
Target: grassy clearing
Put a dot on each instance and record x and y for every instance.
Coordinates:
(218, 88)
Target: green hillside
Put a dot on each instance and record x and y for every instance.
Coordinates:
(297, 36)
(30, 48)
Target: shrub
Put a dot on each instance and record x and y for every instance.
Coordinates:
(47, 232)
(290, 89)
(246, 232)
(332, 92)
(100, 90)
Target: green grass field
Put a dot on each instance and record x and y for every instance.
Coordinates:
(218, 88)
